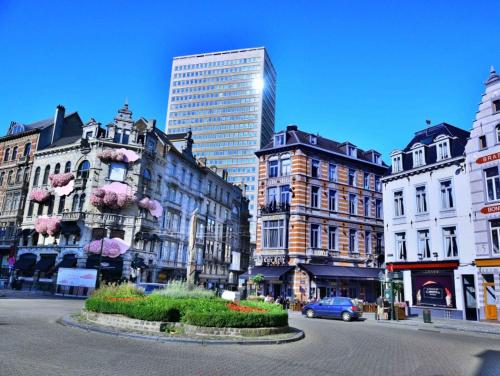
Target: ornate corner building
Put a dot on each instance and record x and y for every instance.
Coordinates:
(319, 225)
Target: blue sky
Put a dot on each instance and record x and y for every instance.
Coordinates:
(370, 72)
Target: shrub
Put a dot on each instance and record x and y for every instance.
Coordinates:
(178, 289)
(236, 319)
(124, 290)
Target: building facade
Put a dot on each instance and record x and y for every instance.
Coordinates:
(483, 156)
(428, 223)
(227, 100)
(16, 159)
(319, 227)
(125, 181)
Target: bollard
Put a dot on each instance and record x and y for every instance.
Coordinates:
(427, 316)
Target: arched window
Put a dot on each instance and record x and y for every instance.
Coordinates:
(83, 170)
(67, 167)
(147, 174)
(82, 202)
(57, 169)
(37, 177)
(2, 176)
(46, 173)
(62, 201)
(14, 153)
(27, 149)
(74, 205)
(9, 177)
(19, 175)
(6, 155)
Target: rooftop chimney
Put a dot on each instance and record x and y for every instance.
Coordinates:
(57, 128)
(292, 127)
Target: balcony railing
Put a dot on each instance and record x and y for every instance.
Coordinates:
(275, 207)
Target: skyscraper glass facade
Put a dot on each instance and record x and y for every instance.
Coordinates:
(227, 100)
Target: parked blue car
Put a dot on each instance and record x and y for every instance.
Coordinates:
(338, 307)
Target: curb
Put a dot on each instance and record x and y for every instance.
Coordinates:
(70, 322)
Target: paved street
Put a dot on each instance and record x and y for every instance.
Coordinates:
(33, 343)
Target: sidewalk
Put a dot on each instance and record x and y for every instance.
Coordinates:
(440, 325)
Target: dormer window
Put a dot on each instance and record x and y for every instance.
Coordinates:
(418, 157)
(313, 139)
(351, 151)
(397, 163)
(443, 150)
(279, 140)
(376, 158)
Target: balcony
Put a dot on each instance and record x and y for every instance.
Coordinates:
(275, 208)
(72, 216)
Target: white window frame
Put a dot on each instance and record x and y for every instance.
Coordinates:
(445, 196)
(318, 175)
(334, 200)
(399, 205)
(495, 180)
(443, 150)
(285, 171)
(117, 171)
(332, 177)
(495, 229)
(356, 242)
(397, 165)
(366, 206)
(315, 203)
(401, 246)
(332, 231)
(279, 139)
(366, 180)
(449, 238)
(368, 243)
(353, 204)
(421, 204)
(418, 157)
(425, 242)
(354, 178)
(280, 227)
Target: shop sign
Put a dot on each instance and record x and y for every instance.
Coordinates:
(491, 209)
(433, 288)
(488, 158)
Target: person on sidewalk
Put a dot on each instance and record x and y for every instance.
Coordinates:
(380, 308)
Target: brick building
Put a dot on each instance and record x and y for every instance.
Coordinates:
(17, 148)
(319, 226)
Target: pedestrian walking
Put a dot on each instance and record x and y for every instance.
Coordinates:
(380, 308)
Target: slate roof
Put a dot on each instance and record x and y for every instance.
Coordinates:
(65, 141)
(458, 140)
(298, 138)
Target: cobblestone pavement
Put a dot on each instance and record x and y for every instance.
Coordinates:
(33, 343)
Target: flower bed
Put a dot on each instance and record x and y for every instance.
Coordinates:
(208, 312)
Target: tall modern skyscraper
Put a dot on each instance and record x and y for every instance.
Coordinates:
(227, 100)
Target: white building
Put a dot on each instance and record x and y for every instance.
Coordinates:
(483, 156)
(428, 222)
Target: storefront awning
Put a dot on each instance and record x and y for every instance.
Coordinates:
(422, 265)
(330, 271)
(45, 263)
(270, 273)
(25, 262)
(70, 228)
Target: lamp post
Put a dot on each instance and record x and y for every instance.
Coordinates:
(99, 266)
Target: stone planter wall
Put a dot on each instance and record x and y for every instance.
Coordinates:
(123, 322)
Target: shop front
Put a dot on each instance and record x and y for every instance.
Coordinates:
(276, 280)
(346, 281)
(440, 286)
(488, 276)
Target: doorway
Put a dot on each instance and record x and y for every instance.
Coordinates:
(490, 307)
(470, 303)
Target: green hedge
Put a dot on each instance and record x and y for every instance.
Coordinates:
(200, 311)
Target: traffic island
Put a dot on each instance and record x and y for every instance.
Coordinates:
(184, 312)
(122, 326)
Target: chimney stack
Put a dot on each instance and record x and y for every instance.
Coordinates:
(57, 128)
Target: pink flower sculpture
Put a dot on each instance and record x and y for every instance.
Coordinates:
(114, 196)
(60, 180)
(118, 155)
(47, 225)
(110, 247)
(39, 195)
(153, 206)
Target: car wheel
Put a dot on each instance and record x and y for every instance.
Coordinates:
(310, 313)
(346, 316)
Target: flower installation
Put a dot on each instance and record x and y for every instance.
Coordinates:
(110, 247)
(47, 225)
(118, 155)
(114, 196)
(63, 184)
(39, 195)
(153, 206)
